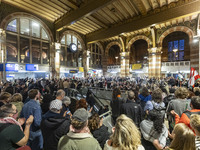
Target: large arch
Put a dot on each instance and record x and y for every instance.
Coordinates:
(12, 16)
(76, 35)
(101, 47)
(139, 37)
(110, 45)
(187, 30)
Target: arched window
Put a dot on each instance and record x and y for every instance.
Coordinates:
(27, 41)
(68, 57)
(95, 56)
(114, 55)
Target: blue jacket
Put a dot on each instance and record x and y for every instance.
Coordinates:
(145, 99)
(32, 107)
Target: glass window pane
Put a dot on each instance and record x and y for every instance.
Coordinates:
(63, 40)
(175, 44)
(36, 52)
(62, 56)
(181, 55)
(181, 44)
(11, 48)
(170, 46)
(44, 35)
(35, 29)
(24, 26)
(97, 49)
(45, 53)
(79, 45)
(74, 40)
(24, 50)
(170, 57)
(69, 40)
(12, 26)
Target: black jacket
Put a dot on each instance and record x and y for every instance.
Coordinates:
(101, 135)
(53, 129)
(133, 111)
(116, 105)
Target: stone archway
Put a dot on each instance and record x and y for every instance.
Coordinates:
(187, 30)
(110, 45)
(139, 37)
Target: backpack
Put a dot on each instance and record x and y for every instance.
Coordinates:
(159, 110)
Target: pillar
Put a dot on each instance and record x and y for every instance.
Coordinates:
(85, 62)
(195, 54)
(125, 71)
(2, 53)
(154, 62)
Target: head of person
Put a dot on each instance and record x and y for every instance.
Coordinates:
(82, 103)
(55, 106)
(126, 135)
(183, 138)
(195, 102)
(144, 92)
(131, 95)
(33, 94)
(8, 110)
(94, 122)
(157, 95)
(195, 123)
(66, 101)
(181, 93)
(17, 97)
(60, 94)
(158, 120)
(5, 96)
(79, 119)
(115, 93)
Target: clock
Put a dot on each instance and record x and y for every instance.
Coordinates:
(73, 47)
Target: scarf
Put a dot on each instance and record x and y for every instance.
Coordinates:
(10, 120)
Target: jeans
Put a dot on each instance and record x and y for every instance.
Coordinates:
(35, 140)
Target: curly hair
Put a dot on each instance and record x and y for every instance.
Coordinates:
(17, 97)
(181, 92)
(93, 122)
(126, 135)
(116, 92)
(81, 104)
(195, 122)
(77, 124)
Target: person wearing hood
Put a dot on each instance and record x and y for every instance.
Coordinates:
(54, 125)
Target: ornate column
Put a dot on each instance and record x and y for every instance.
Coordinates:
(195, 54)
(2, 52)
(155, 62)
(85, 58)
(125, 71)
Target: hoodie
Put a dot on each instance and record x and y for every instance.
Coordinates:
(53, 128)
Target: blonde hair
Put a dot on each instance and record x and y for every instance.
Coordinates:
(17, 97)
(126, 135)
(195, 121)
(184, 138)
(181, 92)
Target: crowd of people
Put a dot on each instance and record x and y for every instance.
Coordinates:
(157, 114)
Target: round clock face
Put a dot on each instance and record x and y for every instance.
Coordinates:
(73, 47)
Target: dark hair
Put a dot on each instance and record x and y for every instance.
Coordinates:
(157, 119)
(5, 110)
(157, 95)
(116, 92)
(144, 92)
(195, 101)
(5, 96)
(32, 93)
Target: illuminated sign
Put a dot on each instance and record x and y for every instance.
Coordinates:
(31, 67)
(73, 71)
(136, 66)
(12, 67)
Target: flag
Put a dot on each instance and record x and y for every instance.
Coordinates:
(193, 77)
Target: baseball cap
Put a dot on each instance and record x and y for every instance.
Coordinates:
(80, 115)
(56, 104)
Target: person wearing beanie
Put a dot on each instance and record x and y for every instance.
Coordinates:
(79, 136)
(54, 125)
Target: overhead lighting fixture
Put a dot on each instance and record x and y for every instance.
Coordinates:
(175, 50)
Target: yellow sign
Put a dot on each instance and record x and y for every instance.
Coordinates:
(136, 66)
(81, 69)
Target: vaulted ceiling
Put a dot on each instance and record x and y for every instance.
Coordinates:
(105, 19)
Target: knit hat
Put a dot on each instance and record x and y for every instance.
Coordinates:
(56, 104)
(80, 115)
